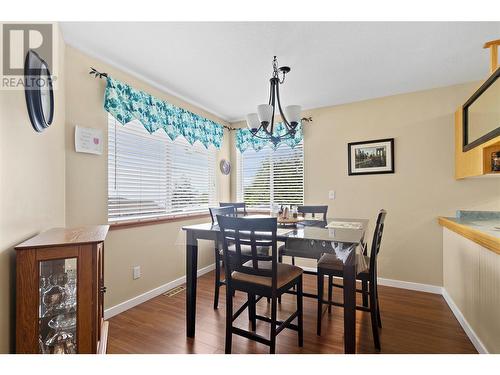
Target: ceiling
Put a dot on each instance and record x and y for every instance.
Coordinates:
(224, 67)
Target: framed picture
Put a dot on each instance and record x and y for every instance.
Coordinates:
(371, 157)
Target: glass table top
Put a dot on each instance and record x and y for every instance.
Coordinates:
(309, 230)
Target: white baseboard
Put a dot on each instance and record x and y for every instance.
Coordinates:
(465, 325)
(121, 307)
(428, 288)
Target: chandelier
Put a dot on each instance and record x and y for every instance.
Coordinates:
(261, 124)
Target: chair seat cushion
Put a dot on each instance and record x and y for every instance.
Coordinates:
(286, 273)
(247, 250)
(331, 264)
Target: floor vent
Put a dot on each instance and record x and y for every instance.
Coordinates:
(173, 292)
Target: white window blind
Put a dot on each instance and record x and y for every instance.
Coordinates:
(265, 177)
(150, 176)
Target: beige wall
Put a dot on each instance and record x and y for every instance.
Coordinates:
(31, 186)
(422, 188)
(71, 188)
(158, 249)
(472, 281)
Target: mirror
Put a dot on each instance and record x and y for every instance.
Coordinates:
(45, 92)
(38, 91)
(481, 114)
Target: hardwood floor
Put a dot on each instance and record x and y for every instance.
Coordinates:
(413, 322)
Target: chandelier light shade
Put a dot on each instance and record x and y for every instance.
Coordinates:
(253, 122)
(293, 114)
(261, 124)
(265, 112)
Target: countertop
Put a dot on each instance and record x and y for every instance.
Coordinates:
(482, 229)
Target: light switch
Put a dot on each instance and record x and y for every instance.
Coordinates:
(137, 272)
(331, 194)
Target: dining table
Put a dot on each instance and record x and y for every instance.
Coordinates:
(342, 237)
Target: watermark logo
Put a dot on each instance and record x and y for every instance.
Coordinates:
(17, 40)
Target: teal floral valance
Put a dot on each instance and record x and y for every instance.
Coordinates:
(125, 104)
(245, 138)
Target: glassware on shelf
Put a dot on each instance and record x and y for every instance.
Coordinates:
(53, 299)
(44, 284)
(65, 322)
(61, 342)
(60, 278)
(42, 347)
(71, 290)
(58, 306)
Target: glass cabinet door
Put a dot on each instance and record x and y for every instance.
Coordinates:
(57, 312)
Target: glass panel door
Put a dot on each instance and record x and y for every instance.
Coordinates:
(58, 306)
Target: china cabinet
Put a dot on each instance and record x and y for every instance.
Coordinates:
(59, 292)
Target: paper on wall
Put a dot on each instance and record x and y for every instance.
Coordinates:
(88, 140)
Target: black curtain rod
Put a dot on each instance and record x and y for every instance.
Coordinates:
(97, 74)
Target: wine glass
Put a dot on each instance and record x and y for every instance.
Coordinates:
(71, 290)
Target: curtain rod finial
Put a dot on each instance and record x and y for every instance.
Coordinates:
(97, 74)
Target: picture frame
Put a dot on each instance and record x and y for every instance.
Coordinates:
(371, 157)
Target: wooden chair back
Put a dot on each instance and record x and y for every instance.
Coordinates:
(313, 210)
(240, 207)
(377, 239)
(223, 211)
(251, 232)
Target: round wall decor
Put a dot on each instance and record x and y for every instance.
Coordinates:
(225, 167)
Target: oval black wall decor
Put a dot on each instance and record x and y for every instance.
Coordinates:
(38, 91)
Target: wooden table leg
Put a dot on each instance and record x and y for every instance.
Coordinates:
(350, 305)
(191, 279)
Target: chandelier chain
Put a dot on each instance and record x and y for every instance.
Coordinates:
(276, 71)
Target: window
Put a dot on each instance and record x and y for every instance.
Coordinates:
(150, 176)
(267, 176)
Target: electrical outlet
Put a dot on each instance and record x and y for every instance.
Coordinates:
(137, 272)
(331, 194)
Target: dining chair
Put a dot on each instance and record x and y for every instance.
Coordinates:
(261, 275)
(314, 210)
(240, 207)
(304, 210)
(245, 250)
(366, 271)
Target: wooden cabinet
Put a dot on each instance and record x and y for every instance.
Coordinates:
(60, 292)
